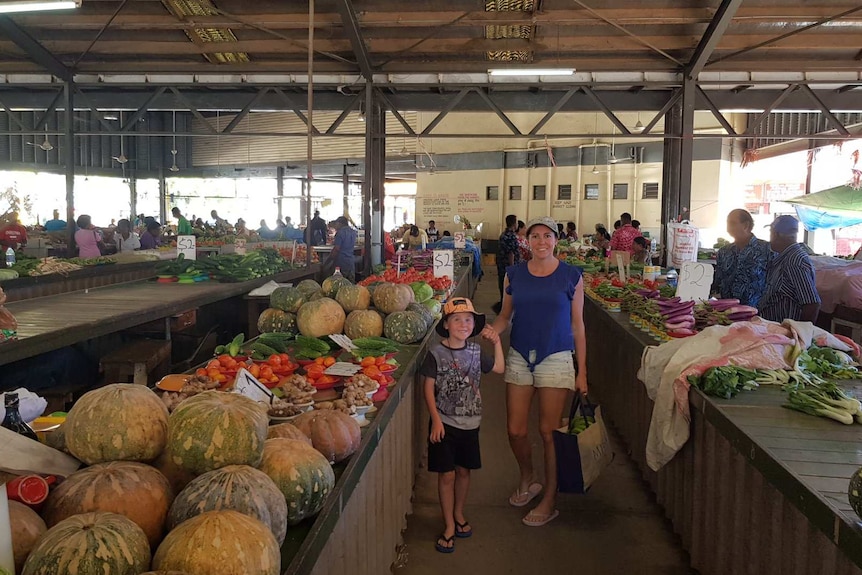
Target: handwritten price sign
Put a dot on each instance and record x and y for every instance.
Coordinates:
(444, 263)
(246, 384)
(460, 240)
(188, 246)
(695, 280)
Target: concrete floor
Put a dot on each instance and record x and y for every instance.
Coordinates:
(616, 528)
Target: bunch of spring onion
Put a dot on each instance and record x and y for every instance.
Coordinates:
(826, 400)
(722, 312)
(677, 316)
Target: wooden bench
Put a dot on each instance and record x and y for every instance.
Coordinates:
(136, 361)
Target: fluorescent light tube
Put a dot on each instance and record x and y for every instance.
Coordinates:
(531, 71)
(37, 6)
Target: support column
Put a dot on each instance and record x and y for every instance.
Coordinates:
(163, 197)
(345, 185)
(279, 184)
(69, 160)
(670, 205)
(133, 194)
(687, 143)
(372, 189)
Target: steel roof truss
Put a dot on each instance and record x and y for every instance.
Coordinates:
(830, 117)
(556, 108)
(354, 34)
(40, 123)
(140, 112)
(293, 107)
(775, 103)
(716, 112)
(671, 102)
(245, 111)
(185, 102)
(716, 29)
(607, 111)
(389, 106)
(449, 107)
(344, 113)
(496, 109)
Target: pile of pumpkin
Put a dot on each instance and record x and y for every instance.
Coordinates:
(209, 489)
(403, 313)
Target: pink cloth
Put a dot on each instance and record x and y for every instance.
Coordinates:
(88, 243)
(624, 238)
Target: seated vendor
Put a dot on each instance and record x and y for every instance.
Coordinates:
(151, 239)
(641, 251)
(790, 289)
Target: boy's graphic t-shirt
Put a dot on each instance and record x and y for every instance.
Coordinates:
(456, 374)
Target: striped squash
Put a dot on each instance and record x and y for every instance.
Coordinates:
(134, 490)
(236, 487)
(302, 474)
(118, 422)
(220, 543)
(214, 429)
(91, 544)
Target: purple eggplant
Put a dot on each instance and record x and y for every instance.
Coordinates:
(679, 325)
(682, 332)
(741, 310)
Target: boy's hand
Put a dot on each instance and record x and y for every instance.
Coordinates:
(437, 431)
(490, 334)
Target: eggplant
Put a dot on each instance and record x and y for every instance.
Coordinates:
(740, 310)
(678, 318)
(729, 302)
(679, 325)
(682, 332)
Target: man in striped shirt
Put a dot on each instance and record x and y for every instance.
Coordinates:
(790, 290)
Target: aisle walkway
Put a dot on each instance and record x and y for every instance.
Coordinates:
(616, 529)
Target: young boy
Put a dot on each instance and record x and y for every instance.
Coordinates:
(452, 370)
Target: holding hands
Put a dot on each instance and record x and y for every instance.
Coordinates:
(490, 334)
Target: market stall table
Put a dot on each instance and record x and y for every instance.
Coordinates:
(757, 488)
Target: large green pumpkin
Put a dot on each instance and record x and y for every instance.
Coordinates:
(363, 323)
(308, 286)
(97, 543)
(424, 312)
(131, 489)
(118, 422)
(287, 299)
(389, 297)
(220, 543)
(236, 487)
(332, 284)
(353, 297)
(320, 317)
(275, 320)
(854, 492)
(214, 429)
(302, 474)
(404, 327)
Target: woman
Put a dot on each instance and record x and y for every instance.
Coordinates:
(571, 232)
(127, 240)
(523, 245)
(602, 239)
(546, 298)
(640, 251)
(415, 240)
(151, 239)
(87, 238)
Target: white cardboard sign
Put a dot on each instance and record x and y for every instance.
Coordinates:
(188, 246)
(460, 240)
(343, 369)
(247, 385)
(695, 281)
(240, 246)
(343, 341)
(444, 263)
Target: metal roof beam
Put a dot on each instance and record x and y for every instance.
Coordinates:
(245, 111)
(500, 114)
(354, 34)
(827, 113)
(716, 112)
(34, 49)
(716, 29)
(607, 111)
(451, 106)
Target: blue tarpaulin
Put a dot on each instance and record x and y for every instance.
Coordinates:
(814, 219)
(838, 207)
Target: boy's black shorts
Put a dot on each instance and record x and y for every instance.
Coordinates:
(459, 447)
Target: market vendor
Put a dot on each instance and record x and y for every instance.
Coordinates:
(151, 239)
(790, 291)
(125, 238)
(415, 239)
(184, 228)
(219, 222)
(640, 251)
(241, 230)
(55, 224)
(625, 236)
(740, 267)
(87, 238)
(316, 230)
(341, 255)
(601, 239)
(13, 234)
(432, 231)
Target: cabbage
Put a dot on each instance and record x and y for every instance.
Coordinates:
(422, 291)
(434, 306)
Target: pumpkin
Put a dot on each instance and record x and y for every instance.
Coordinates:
(353, 297)
(287, 299)
(424, 313)
(220, 543)
(131, 489)
(302, 474)
(333, 433)
(363, 323)
(314, 296)
(237, 487)
(27, 528)
(308, 286)
(854, 492)
(118, 422)
(332, 284)
(57, 438)
(422, 291)
(213, 429)
(389, 297)
(404, 327)
(320, 317)
(176, 475)
(287, 431)
(275, 320)
(91, 544)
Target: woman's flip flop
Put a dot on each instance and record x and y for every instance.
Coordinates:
(522, 498)
(443, 548)
(463, 530)
(533, 519)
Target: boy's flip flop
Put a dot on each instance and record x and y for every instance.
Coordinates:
(533, 519)
(463, 530)
(522, 498)
(443, 548)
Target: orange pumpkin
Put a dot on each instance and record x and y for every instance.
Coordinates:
(333, 433)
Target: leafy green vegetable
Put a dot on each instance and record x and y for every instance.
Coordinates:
(725, 381)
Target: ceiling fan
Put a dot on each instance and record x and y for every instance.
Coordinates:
(121, 159)
(46, 145)
(174, 167)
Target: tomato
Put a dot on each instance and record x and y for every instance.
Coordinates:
(274, 359)
(200, 372)
(224, 357)
(213, 373)
(314, 370)
(319, 361)
(285, 359)
(371, 371)
(329, 361)
(254, 370)
(213, 364)
(380, 360)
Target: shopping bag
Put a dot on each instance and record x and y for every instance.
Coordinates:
(682, 242)
(581, 457)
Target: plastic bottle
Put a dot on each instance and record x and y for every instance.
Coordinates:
(10, 257)
(672, 278)
(337, 273)
(13, 421)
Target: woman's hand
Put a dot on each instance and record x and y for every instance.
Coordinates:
(437, 431)
(490, 334)
(581, 382)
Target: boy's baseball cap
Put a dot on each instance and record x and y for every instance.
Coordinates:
(458, 305)
(785, 225)
(546, 221)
